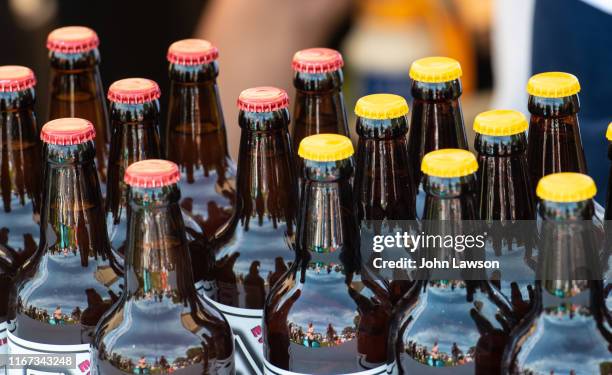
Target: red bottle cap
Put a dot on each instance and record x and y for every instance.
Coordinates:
(152, 173)
(72, 39)
(317, 60)
(263, 99)
(68, 131)
(133, 91)
(16, 78)
(192, 52)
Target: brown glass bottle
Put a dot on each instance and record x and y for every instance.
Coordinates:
(134, 111)
(437, 119)
(327, 315)
(195, 135)
(20, 180)
(570, 331)
(319, 103)
(457, 324)
(506, 201)
(554, 143)
(252, 250)
(76, 87)
(160, 325)
(73, 278)
(383, 183)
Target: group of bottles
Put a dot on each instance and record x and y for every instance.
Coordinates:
(149, 277)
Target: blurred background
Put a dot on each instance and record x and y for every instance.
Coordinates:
(499, 43)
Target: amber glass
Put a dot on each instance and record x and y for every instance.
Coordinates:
(554, 143)
(251, 250)
(20, 171)
(327, 315)
(437, 120)
(506, 198)
(135, 137)
(459, 324)
(76, 91)
(383, 185)
(608, 214)
(161, 325)
(73, 278)
(195, 139)
(570, 331)
(319, 107)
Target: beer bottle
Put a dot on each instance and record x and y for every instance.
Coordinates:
(76, 86)
(251, 251)
(160, 325)
(73, 278)
(319, 103)
(554, 143)
(325, 315)
(570, 331)
(383, 184)
(506, 199)
(19, 179)
(449, 323)
(195, 136)
(134, 111)
(437, 120)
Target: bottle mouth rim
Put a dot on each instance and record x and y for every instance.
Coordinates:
(133, 91)
(317, 60)
(16, 78)
(263, 99)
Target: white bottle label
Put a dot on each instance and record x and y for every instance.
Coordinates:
(248, 333)
(270, 369)
(82, 353)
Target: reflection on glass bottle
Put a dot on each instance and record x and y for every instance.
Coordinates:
(73, 279)
(607, 259)
(570, 331)
(437, 120)
(252, 249)
(384, 187)
(319, 102)
(195, 136)
(506, 198)
(459, 324)
(327, 314)
(554, 143)
(76, 86)
(134, 112)
(20, 181)
(160, 325)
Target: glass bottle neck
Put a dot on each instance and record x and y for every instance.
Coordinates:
(266, 177)
(327, 228)
(569, 258)
(450, 198)
(553, 107)
(384, 183)
(72, 218)
(20, 150)
(73, 62)
(135, 137)
(319, 105)
(501, 146)
(158, 262)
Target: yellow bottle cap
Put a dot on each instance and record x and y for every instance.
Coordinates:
(553, 85)
(326, 147)
(449, 163)
(566, 187)
(609, 132)
(435, 69)
(500, 122)
(381, 106)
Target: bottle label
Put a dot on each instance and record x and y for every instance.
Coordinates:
(270, 369)
(52, 354)
(248, 333)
